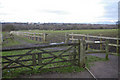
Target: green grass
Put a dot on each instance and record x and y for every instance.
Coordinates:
(13, 42)
(55, 36)
(12, 73)
(59, 35)
(10, 42)
(28, 40)
(105, 32)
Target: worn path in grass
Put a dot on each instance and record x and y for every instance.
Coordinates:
(23, 42)
(101, 69)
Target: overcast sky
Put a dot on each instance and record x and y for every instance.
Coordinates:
(60, 11)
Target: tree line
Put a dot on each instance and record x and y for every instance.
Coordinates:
(54, 26)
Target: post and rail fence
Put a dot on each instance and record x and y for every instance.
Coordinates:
(33, 36)
(71, 37)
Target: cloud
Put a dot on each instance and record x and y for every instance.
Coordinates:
(111, 9)
(57, 12)
(70, 11)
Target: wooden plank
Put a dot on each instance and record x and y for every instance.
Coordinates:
(82, 53)
(34, 59)
(38, 46)
(79, 52)
(11, 61)
(44, 37)
(55, 58)
(20, 55)
(72, 38)
(83, 37)
(39, 59)
(74, 55)
(77, 35)
(14, 61)
(95, 36)
(59, 56)
(88, 39)
(34, 53)
(90, 42)
(100, 51)
(114, 45)
(100, 41)
(107, 50)
(117, 47)
(66, 38)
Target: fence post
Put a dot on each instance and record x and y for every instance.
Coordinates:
(39, 38)
(34, 36)
(44, 37)
(100, 41)
(74, 54)
(34, 59)
(88, 40)
(117, 47)
(106, 49)
(83, 37)
(66, 37)
(39, 59)
(79, 42)
(82, 53)
(72, 37)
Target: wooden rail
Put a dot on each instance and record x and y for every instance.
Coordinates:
(33, 36)
(67, 36)
(94, 36)
(38, 59)
(74, 53)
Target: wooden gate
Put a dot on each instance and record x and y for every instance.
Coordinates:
(46, 56)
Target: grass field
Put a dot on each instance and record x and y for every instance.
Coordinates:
(55, 36)
(104, 32)
(59, 35)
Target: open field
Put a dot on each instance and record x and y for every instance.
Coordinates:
(59, 35)
(53, 36)
(105, 32)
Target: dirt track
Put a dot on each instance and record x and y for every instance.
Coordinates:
(102, 69)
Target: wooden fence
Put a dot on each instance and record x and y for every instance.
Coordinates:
(33, 36)
(69, 37)
(71, 54)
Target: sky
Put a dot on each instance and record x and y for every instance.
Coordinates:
(59, 11)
